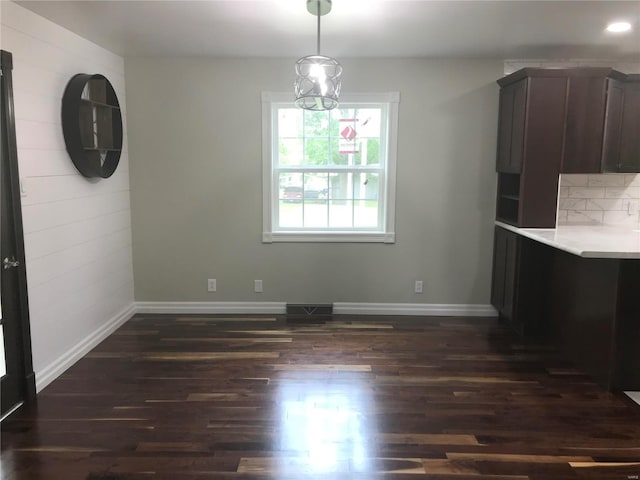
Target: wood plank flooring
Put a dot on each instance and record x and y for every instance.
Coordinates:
(233, 397)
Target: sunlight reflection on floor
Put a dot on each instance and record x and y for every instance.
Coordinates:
(323, 427)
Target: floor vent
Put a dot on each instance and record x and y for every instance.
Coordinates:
(309, 313)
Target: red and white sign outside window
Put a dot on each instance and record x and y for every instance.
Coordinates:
(349, 141)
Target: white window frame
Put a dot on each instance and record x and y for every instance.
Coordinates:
(271, 101)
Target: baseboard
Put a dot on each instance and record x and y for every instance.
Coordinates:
(279, 308)
(428, 309)
(268, 308)
(56, 368)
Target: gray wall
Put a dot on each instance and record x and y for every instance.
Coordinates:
(195, 141)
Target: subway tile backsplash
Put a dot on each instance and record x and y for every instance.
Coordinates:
(607, 199)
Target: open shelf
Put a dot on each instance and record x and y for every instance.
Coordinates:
(508, 201)
(92, 125)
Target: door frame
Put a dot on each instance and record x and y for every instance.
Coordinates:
(27, 376)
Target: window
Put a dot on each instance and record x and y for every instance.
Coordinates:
(329, 176)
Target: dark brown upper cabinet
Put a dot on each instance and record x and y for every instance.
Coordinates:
(603, 117)
(511, 126)
(622, 137)
(552, 121)
(594, 102)
(530, 139)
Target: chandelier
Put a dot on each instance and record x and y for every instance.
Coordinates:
(318, 83)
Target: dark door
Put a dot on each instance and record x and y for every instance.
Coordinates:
(17, 382)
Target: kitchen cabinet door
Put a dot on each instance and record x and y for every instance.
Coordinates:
(519, 289)
(511, 126)
(629, 151)
(505, 256)
(584, 124)
(613, 126)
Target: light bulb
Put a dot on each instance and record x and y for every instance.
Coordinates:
(618, 27)
(319, 74)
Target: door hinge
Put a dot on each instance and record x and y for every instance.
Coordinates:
(8, 263)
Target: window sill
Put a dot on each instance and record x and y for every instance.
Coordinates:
(328, 237)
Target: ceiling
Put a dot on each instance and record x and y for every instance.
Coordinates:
(354, 28)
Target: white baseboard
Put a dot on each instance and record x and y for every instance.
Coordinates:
(268, 308)
(428, 309)
(56, 368)
(340, 308)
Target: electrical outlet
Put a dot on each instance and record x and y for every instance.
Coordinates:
(419, 286)
(211, 285)
(257, 286)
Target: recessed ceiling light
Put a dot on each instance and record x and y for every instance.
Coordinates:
(618, 27)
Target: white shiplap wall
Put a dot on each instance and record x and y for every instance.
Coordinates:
(77, 231)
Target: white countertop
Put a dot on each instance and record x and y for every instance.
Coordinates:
(589, 241)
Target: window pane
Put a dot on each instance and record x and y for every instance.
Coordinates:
(365, 213)
(290, 202)
(358, 135)
(291, 187)
(315, 213)
(340, 186)
(369, 122)
(316, 151)
(341, 214)
(290, 214)
(371, 151)
(290, 151)
(365, 186)
(336, 157)
(344, 112)
(316, 186)
(316, 124)
(289, 122)
(334, 124)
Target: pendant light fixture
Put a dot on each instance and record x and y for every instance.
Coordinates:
(318, 81)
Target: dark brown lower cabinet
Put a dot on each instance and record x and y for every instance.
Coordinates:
(595, 317)
(587, 307)
(505, 254)
(520, 267)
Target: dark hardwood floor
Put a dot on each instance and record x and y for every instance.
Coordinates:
(229, 397)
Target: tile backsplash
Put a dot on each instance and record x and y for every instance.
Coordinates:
(607, 199)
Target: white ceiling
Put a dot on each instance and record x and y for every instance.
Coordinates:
(354, 28)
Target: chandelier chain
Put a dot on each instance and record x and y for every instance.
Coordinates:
(318, 36)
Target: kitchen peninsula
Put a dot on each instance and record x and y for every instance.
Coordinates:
(578, 287)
